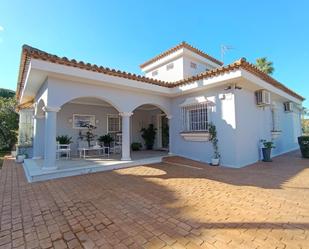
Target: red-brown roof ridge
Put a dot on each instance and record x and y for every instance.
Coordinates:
(31, 52)
(176, 48)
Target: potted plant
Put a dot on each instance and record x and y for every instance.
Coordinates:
(214, 140)
(89, 136)
(303, 142)
(22, 155)
(149, 134)
(266, 150)
(106, 140)
(64, 139)
(136, 146)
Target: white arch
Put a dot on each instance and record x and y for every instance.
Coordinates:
(160, 106)
(104, 99)
(39, 107)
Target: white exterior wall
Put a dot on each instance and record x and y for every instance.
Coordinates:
(255, 123)
(182, 69)
(124, 100)
(239, 122)
(222, 115)
(189, 71)
(240, 126)
(174, 74)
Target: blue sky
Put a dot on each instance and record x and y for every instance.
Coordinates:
(123, 34)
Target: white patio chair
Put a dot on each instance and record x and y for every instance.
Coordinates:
(63, 149)
(117, 144)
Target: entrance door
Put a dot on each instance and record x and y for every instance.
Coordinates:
(163, 132)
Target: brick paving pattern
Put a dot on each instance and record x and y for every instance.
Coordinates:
(174, 204)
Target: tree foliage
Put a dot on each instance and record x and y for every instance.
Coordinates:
(6, 93)
(8, 122)
(305, 121)
(264, 65)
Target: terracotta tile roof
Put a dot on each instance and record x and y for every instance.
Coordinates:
(180, 46)
(240, 64)
(29, 52)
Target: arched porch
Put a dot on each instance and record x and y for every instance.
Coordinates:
(51, 122)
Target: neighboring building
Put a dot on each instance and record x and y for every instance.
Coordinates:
(184, 85)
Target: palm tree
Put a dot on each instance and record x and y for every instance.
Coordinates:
(264, 65)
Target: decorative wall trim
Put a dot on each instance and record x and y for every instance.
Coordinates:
(51, 109)
(126, 114)
(195, 136)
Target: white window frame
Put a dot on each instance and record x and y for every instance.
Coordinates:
(275, 118)
(201, 118)
(114, 116)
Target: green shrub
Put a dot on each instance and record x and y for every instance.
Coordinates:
(64, 139)
(136, 146)
(106, 140)
(149, 135)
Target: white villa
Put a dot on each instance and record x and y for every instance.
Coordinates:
(183, 90)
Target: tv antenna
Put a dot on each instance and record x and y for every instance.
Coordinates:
(224, 49)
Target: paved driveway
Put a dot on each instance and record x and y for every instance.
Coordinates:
(179, 204)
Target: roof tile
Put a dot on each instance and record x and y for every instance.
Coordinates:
(30, 52)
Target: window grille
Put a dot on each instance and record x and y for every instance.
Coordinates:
(195, 118)
(113, 123)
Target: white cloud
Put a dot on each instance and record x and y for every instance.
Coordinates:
(1, 28)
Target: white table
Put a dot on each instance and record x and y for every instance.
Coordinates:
(82, 151)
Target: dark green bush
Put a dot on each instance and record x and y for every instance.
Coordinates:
(136, 146)
(303, 142)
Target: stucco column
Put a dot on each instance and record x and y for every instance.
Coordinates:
(126, 135)
(50, 137)
(38, 136)
(169, 118)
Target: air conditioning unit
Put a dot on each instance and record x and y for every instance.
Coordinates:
(288, 106)
(262, 97)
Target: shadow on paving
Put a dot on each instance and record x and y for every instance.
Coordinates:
(146, 206)
(264, 175)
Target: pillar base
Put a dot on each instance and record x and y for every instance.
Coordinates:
(126, 159)
(37, 157)
(49, 168)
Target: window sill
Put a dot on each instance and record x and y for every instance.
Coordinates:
(196, 136)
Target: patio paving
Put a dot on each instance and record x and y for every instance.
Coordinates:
(174, 204)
